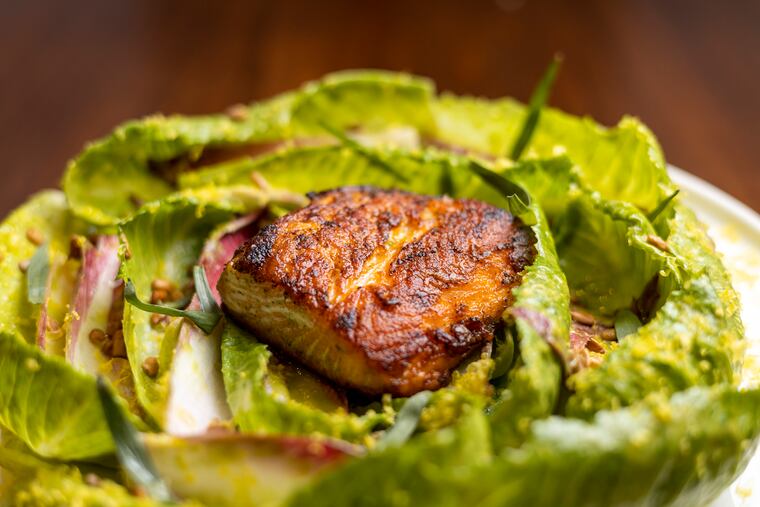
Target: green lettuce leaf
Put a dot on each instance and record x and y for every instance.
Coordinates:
(541, 317)
(314, 169)
(609, 253)
(369, 98)
(107, 180)
(622, 163)
(46, 403)
(478, 125)
(48, 215)
(649, 454)
(429, 470)
(552, 182)
(162, 241)
(469, 387)
(53, 408)
(66, 485)
(695, 338)
(267, 396)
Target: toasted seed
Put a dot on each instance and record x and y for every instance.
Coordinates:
(259, 180)
(24, 265)
(217, 424)
(237, 112)
(136, 201)
(75, 247)
(582, 317)
(127, 250)
(107, 347)
(658, 242)
(594, 346)
(97, 336)
(52, 325)
(116, 312)
(118, 349)
(92, 480)
(161, 284)
(608, 334)
(316, 447)
(35, 236)
(594, 361)
(157, 319)
(150, 366)
(159, 296)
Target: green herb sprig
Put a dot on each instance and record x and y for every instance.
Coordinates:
(130, 451)
(37, 275)
(663, 204)
(206, 318)
(406, 421)
(518, 199)
(538, 100)
(626, 323)
(346, 141)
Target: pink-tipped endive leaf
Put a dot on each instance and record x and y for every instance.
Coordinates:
(92, 303)
(267, 468)
(196, 390)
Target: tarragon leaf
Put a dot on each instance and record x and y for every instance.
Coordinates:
(129, 448)
(537, 102)
(663, 204)
(518, 199)
(406, 421)
(202, 289)
(357, 147)
(205, 320)
(626, 323)
(37, 275)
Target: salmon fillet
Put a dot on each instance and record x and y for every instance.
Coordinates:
(382, 291)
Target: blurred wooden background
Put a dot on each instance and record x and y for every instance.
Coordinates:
(70, 71)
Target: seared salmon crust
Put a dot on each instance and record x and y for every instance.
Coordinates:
(383, 291)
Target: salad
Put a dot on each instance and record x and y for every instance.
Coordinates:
(364, 292)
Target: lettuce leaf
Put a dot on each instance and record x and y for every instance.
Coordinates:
(314, 169)
(48, 215)
(197, 398)
(469, 387)
(53, 408)
(477, 125)
(552, 182)
(372, 99)
(66, 485)
(263, 400)
(695, 338)
(46, 403)
(622, 163)
(429, 470)
(266, 469)
(106, 180)
(609, 253)
(649, 454)
(541, 317)
(162, 241)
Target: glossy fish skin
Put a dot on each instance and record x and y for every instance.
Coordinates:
(379, 290)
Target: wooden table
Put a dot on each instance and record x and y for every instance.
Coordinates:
(70, 71)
